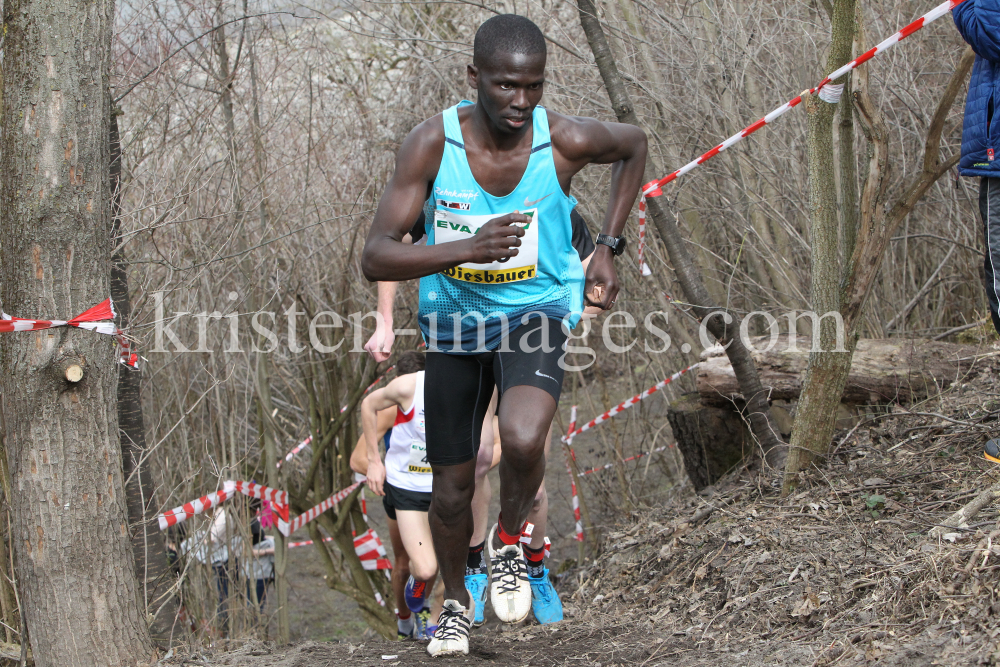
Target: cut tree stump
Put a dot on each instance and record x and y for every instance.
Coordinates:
(882, 371)
(711, 440)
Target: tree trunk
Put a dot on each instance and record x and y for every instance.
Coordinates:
(827, 370)
(827, 373)
(263, 376)
(155, 576)
(74, 560)
(757, 409)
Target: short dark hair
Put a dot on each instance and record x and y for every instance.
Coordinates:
(506, 33)
(410, 361)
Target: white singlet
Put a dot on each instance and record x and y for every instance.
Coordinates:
(406, 465)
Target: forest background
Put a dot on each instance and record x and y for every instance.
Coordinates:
(256, 139)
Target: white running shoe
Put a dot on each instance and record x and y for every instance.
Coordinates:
(452, 634)
(510, 590)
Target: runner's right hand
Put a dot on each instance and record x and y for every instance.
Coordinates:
(380, 344)
(376, 477)
(498, 239)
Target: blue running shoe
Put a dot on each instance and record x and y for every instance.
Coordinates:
(421, 625)
(477, 585)
(415, 594)
(545, 602)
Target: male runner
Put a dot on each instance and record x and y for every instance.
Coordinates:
(545, 603)
(404, 482)
(499, 276)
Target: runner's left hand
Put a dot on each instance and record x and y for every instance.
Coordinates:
(601, 287)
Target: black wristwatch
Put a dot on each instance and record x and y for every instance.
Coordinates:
(616, 243)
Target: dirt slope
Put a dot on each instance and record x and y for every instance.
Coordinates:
(841, 573)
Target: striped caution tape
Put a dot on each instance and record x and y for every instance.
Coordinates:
(305, 543)
(278, 500)
(96, 319)
(288, 527)
(296, 449)
(367, 546)
(371, 552)
(305, 443)
(99, 319)
(567, 453)
(653, 188)
(827, 91)
(624, 405)
(643, 267)
(608, 466)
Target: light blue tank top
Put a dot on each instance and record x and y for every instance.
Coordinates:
(464, 309)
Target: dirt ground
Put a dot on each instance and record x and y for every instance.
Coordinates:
(841, 573)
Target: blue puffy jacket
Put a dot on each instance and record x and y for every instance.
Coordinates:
(979, 23)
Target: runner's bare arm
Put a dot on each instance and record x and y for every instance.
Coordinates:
(385, 257)
(398, 392)
(581, 141)
(359, 457)
(380, 344)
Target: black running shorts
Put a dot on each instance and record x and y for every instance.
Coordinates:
(396, 498)
(458, 387)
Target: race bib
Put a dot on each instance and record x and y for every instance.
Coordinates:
(417, 462)
(454, 226)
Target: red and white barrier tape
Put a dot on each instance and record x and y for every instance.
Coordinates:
(288, 527)
(653, 188)
(371, 552)
(378, 561)
(278, 500)
(296, 449)
(827, 92)
(92, 319)
(125, 353)
(305, 543)
(608, 466)
(624, 405)
(643, 267)
(567, 452)
(305, 443)
(99, 319)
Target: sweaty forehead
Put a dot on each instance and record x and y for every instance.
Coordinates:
(506, 63)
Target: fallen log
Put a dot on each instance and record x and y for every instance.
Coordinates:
(882, 370)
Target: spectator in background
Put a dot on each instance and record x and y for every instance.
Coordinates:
(223, 543)
(261, 568)
(978, 21)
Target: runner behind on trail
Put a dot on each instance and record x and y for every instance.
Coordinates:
(501, 284)
(404, 482)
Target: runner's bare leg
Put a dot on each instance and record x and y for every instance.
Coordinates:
(525, 414)
(452, 524)
(487, 458)
(401, 565)
(539, 514)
